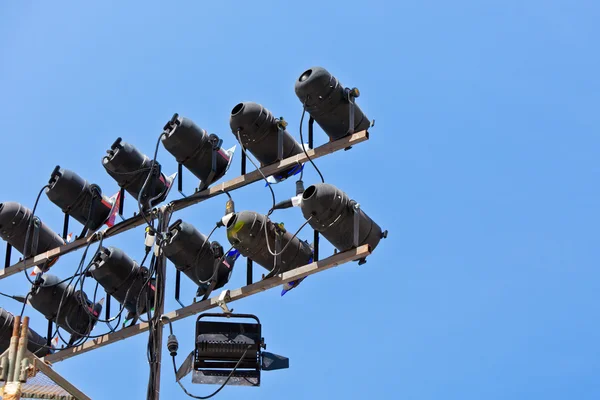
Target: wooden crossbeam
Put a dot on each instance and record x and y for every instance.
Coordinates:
(198, 197)
(237, 294)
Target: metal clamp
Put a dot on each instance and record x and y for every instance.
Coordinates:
(281, 125)
(222, 300)
(351, 95)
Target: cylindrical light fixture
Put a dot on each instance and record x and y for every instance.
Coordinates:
(193, 147)
(191, 253)
(35, 342)
(78, 198)
(130, 168)
(326, 100)
(259, 133)
(52, 293)
(332, 213)
(14, 220)
(123, 279)
(246, 232)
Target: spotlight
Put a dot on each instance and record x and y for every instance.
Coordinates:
(130, 168)
(263, 135)
(78, 198)
(330, 104)
(198, 151)
(123, 279)
(220, 346)
(338, 218)
(51, 294)
(35, 343)
(14, 220)
(192, 254)
(246, 232)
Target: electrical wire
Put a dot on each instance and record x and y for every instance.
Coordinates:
(143, 189)
(31, 221)
(288, 243)
(259, 170)
(303, 148)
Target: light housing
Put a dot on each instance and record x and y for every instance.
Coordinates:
(246, 232)
(35, 342)
(72, 317)
(130, 168)
(196, 150)
(191, 253)
(123, 279)
(332, 214)
(14, 220)
(259, 133)
(221, 345)
(326, 100)
(78, 198)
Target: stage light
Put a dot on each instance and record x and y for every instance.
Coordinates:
(195, 149)
(78, 198)
(263, 135)
(340, 220)
(14, 220)
(220, 346)
(123, 279)
(192, 254)
(246, 232)
(330, 104)
(51, 294)
(130, 168)
(35, 343)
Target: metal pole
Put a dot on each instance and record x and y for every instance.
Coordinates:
(21, 349)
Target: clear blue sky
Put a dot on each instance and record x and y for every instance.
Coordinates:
(483, 165)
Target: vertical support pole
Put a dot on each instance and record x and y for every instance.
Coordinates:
(12, 349)
(248, 271)
(50, 332)
(311, 123)
(156, 325)
(243, 172)
(65, 227)
(316, 246)
(107, 315)
(180, 178)
(178, 287)
(122, 203)
(7, 260)
(21, 349)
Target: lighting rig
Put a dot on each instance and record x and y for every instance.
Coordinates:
(224, 352)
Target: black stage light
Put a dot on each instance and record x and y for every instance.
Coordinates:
(330, 103)
(263, 135)
(195, 149)
(35, 342)
(192, 254)
(14, 220)
(246, 232)
(123, 279)
(130, 168)
(78, 198)
(52, 293)
(339, 219)
(220, 346)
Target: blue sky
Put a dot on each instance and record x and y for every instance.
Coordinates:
(483, 165)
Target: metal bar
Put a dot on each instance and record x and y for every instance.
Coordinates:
(21, 349)
(316, 246)
(243, 163)
(7, 259)
(311, 123)
(122, 202)
(201, 196)
(248, 271)
(65, 227)
(178, 287)
(50, 332)
(236, 294)
(107, 316)
(39, 364)
(180, 178)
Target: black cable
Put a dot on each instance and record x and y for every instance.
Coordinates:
(31, 221)
(219, 389)
(303, 148)
(288, 243)
(259, 170)
(148, 177)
